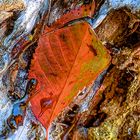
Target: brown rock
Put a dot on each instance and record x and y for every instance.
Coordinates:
(9, 5)
(114, 27)
(4, 16)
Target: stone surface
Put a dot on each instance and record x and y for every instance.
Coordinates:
(9, 5)
(4, 22)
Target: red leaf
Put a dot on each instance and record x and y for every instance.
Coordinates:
(65, 61)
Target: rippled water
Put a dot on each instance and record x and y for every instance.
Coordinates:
(27, 19)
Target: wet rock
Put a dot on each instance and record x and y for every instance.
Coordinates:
(114, 28)
(9, 5)
(4, 17)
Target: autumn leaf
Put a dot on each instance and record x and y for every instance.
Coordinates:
(65, 61)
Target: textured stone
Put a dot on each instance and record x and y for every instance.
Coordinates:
(9, 5)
